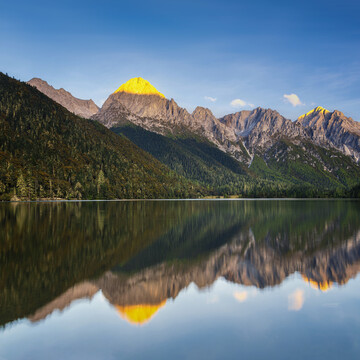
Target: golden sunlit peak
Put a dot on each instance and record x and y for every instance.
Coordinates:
(139, 314)
(316, 110)
(322, 286)
(139, 86)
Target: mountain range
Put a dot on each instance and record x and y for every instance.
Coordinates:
(241, 134)
(256, 153)
(240, 152)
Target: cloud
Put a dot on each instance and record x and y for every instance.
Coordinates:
(240, 296)
(238, 103)
(209, 98)
(293, 99)
(296, 300)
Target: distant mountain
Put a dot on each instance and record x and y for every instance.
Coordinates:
(48, 152)
(260, 128)
(154, 112)
(83, 108)
(242, 134)
(334, 129)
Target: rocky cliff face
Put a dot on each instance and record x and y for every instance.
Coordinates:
(334, 129)
(83, 108)
(260, 128)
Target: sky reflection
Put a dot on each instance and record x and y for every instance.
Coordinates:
(243, 320)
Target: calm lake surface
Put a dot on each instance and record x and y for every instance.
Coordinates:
(230, 279)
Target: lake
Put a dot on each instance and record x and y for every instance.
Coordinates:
(193, 279)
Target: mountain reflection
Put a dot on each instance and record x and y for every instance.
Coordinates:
(139, 314)
(140, 254)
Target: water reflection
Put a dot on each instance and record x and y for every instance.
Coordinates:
(140, 254)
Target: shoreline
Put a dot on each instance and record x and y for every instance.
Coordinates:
(167, 199)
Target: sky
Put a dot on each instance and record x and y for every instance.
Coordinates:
(227, 55)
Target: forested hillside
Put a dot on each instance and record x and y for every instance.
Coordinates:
(48, 152)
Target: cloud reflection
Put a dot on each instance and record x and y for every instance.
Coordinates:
(296, 300)
(241, 296)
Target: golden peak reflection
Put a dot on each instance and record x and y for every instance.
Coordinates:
(322, 286)
(139, 86)
(139, 314)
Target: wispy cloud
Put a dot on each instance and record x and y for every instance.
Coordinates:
(239, 103)
(296, 300)
(293, 99)
(209, 98)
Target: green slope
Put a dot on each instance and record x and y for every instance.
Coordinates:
(189, 156)
(285, 169)
(310, 166)
(46, 151)
(198, 160)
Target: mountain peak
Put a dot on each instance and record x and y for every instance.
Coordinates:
(200, 109)
(139, 86)
(37, 80)
(318, 109)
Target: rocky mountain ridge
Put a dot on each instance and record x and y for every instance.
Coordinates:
(261, 128)
(240, 134)
(83, 108)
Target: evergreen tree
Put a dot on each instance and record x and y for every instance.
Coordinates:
(51, 194)
(77, 192)
(2, 188)
(21, 186)
(100, 181)
(41, 191)
(31, 189)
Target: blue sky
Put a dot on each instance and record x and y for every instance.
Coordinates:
(254, 52)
